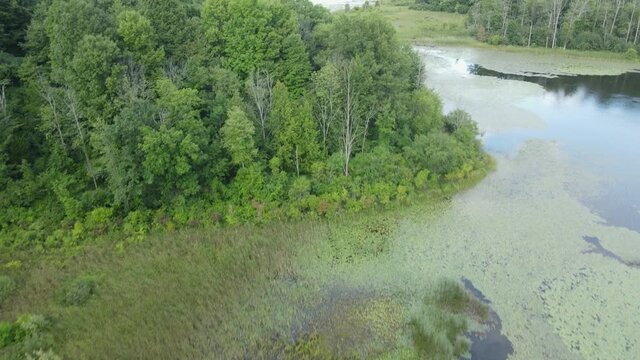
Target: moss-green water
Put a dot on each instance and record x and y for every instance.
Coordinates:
(519, 235)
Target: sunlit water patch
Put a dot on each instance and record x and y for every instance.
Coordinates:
(597, 119)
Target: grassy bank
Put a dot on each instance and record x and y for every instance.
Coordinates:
(308, 289)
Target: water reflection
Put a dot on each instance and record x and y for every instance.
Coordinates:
(624, 87)
(597, 120)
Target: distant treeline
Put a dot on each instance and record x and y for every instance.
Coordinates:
(143, 114)
(612, 25)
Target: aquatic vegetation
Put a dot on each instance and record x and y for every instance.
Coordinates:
(364, 239)
(439, 326)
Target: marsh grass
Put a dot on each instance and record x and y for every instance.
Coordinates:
(7, 287)
(190, 292)
(439, 325)
(234, 292)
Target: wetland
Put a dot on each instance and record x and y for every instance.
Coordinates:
(532, 254)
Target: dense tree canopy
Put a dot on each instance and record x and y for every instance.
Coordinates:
(141, 114)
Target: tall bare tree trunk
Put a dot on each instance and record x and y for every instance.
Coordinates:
(297, 161)
(635, 39)
(3, 98)
(326, 97)
(619, 4)
(72, 105)
(367, 121)
(260, 87)
(506, 8)
(633, 12)
(530, 31)
(595, 18)
(558, 11)
(45, 92)
(348, 135)
(604, 23)
(546, 44)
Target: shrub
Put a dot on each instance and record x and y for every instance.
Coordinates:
(13, 264)
(7, 334)
(402, 193)
(631, 54)
(77, 292)
(43, 355)
(383, 192)
(380, 165)
(98, 220)
(495, 40)
(137, 223)
(588, 41)
(29, 334)
(7, 287)
(29, 325)
(300, 188)
(422, 179)
(439, 152)
(615, 44)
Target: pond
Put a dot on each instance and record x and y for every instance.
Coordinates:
(597, 119)
(552, 236)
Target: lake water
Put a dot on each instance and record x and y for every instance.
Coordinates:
(551, 238)
(597, 119)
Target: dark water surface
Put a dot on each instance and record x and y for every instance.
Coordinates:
(491, 344)
(603, 87)
(597, 248)
(597, 120)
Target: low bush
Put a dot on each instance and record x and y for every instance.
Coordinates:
(77, 291)
(43, 355)
(33, 333)
(7, 334)
(98, 220)
(495, 40)
(29, 336)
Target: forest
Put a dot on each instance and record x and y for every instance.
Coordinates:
(612, 25)
(125, 116)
